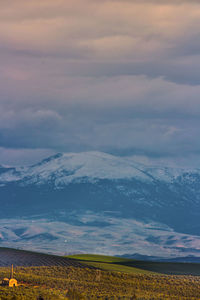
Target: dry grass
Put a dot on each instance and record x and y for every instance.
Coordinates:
(93, 284)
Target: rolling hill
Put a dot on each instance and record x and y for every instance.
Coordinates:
(80, 279)
(9, 256)
(119, 264)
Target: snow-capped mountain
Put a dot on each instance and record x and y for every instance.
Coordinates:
(62, 169)
(65, 187)
(65, 168)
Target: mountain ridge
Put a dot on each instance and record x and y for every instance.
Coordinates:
(93, 192)
(94, 165)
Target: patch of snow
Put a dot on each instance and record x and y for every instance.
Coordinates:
(119, 236)
(62, 169)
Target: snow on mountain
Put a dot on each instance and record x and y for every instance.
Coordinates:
(165, 174)
(69, 167)
(10, 176)
(127, 199)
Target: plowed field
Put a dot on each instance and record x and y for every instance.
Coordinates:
(27, 259)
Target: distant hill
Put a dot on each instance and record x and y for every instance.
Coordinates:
(183, 259)
(23, 258)
(97, 202)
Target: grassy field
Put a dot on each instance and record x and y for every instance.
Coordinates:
(99, 258)
(140, 267)
(109, 263)
(59, 283)
(115, 278)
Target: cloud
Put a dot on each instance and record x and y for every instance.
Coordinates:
(101, 38)
(112, 75)
(122, 113)
(10, 157)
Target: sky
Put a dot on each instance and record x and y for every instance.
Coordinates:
(119, 76)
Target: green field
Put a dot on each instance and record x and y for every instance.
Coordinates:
(99, 258)
(59, 283)
(108, 263)
(118, 264)
(112, 278)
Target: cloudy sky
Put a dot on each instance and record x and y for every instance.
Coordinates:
(120, 76)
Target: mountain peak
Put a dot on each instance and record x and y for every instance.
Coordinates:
(48, 159)
(62, 168)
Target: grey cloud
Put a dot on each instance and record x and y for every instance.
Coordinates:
(14, 157)
(91, 75)
(124, 113)
(104, 43)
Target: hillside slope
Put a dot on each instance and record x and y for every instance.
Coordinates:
(119, 264)
(23, 258)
